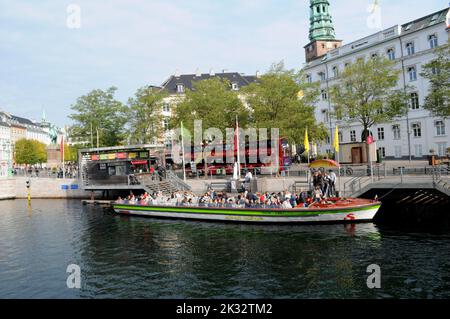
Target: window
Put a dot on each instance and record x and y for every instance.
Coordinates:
(166, 124)
(412, 73)
(341, 137)
(347, 64)
(322, 76)
(353, 136)
(415, 101)
(433, 41)
(324, 95)
(326, 117)
(180, 88)
(391, 54)
(417, 129)
(381, 133)
(382, 151)
(335, 71)
(328, 140)
(235, 87)
(398, 151)
(396, 131)
(442, 149)
(374, 55)
(435, 70)
(166, 107)
(410, 49)
(309, 78)
(440, 128)
(418, 150)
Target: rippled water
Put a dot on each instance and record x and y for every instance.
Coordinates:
(131, 257)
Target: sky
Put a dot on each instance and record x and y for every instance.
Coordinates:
(54, 51)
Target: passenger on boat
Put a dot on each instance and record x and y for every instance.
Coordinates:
(318, 195)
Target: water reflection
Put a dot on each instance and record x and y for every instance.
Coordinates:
(123, 257)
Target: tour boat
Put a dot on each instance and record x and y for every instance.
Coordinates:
(334, 211)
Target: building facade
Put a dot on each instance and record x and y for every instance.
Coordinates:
(410, 45)
(5, 146)
(177, 85)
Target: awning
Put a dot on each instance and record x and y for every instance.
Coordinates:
(139, 162)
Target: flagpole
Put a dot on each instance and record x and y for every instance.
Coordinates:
(337, 150)
(63, 160)
(182, 149)
(238, 149)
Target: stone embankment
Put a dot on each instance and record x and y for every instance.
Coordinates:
(41, 188)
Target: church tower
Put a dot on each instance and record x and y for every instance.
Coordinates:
(321, 31)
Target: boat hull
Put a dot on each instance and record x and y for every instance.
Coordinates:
(364, 213)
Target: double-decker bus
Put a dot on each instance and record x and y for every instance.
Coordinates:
(256, 157)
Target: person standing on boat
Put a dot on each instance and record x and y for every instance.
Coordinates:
(333, 179)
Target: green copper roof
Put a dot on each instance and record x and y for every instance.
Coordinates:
(321, 22)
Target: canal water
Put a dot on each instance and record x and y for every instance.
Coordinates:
(128, 257)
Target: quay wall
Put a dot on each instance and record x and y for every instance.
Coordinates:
(50, 188)
(7, 188)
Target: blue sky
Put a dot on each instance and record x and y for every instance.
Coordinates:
(132, 43)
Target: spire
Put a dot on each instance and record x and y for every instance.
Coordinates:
(321, 22)
(43, 116)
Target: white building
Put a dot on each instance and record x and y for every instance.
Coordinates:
(5, 145)
(410, 45)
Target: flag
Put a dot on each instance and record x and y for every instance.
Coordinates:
(336, 139)
(307, 149)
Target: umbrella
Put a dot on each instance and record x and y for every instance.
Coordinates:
(325, 163)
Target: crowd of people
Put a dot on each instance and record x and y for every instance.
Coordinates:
(281, 200)
(70, 171)
(324, 183)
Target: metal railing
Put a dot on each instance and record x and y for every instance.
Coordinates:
(439, 175)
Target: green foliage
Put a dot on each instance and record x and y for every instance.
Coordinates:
(30, 152)
(145, 115)
(100, 110)
(366, 93)
(438, 74)
(275, 103)
(214, 103)
(70, 153)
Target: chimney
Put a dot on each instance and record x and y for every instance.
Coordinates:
(198, 73)
(224, 71)
(177, 73)
(211, 72)
(258, 74)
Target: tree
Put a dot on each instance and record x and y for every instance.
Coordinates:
(283, 99)
(438, 74)
(213, 102)
(100, 111)
(30, 152)
(145, 115)
(366, 93)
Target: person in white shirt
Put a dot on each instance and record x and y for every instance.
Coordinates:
(333, 179)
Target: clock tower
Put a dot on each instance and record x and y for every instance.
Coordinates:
(321, 31)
